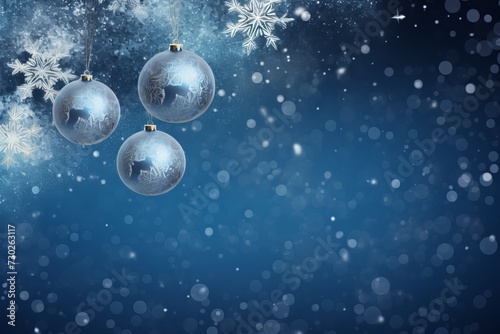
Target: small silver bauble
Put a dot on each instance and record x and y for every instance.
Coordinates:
(151, 162)
(86, 111)
(176, 86)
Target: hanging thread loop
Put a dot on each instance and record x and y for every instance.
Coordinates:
(90, 29)
(174, 17)
(150, 119)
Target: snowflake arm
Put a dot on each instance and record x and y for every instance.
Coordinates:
(25, 90)
(18, 67)
(50, 94)
(234, 6)
(135, 6)
(34, 130)
(118, 5)
(232, 29)
(29, 152)
(140, 12)
(15, 114)
(271, 41)
(282, 21)
(249, 45)
(8, 161)
(66, 76)
(33, 48)
(60, 52)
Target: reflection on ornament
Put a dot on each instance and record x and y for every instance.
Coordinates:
(86, 111)
(176, 86)
(151, 162)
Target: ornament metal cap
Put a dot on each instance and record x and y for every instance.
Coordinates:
(149, 127)
(86, 77)
(175, 47)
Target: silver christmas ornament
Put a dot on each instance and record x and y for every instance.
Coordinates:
(86, 111)
(176, 86)
(151, 162)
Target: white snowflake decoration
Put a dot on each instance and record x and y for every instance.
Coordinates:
(19, 135)
(135, 6)
(256, 19)
(42, 70)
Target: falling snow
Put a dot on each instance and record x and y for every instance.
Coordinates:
(256, 19)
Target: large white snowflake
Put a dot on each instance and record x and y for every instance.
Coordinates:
(257, 18)
(19, 135)
(42, 70)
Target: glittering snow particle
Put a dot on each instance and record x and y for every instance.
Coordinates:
(42, 70)
(256, 19)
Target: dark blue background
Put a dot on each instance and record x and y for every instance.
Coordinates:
(279, 230)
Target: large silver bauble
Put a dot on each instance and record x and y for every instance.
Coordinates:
(86, 111)
(151, 162)
(176, 86)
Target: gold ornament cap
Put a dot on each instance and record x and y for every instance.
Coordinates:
(86, 76)
(149, 127)
(175, 47)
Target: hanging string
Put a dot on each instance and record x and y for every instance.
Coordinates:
(174, 17)
(90, 29)
(150, 121)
